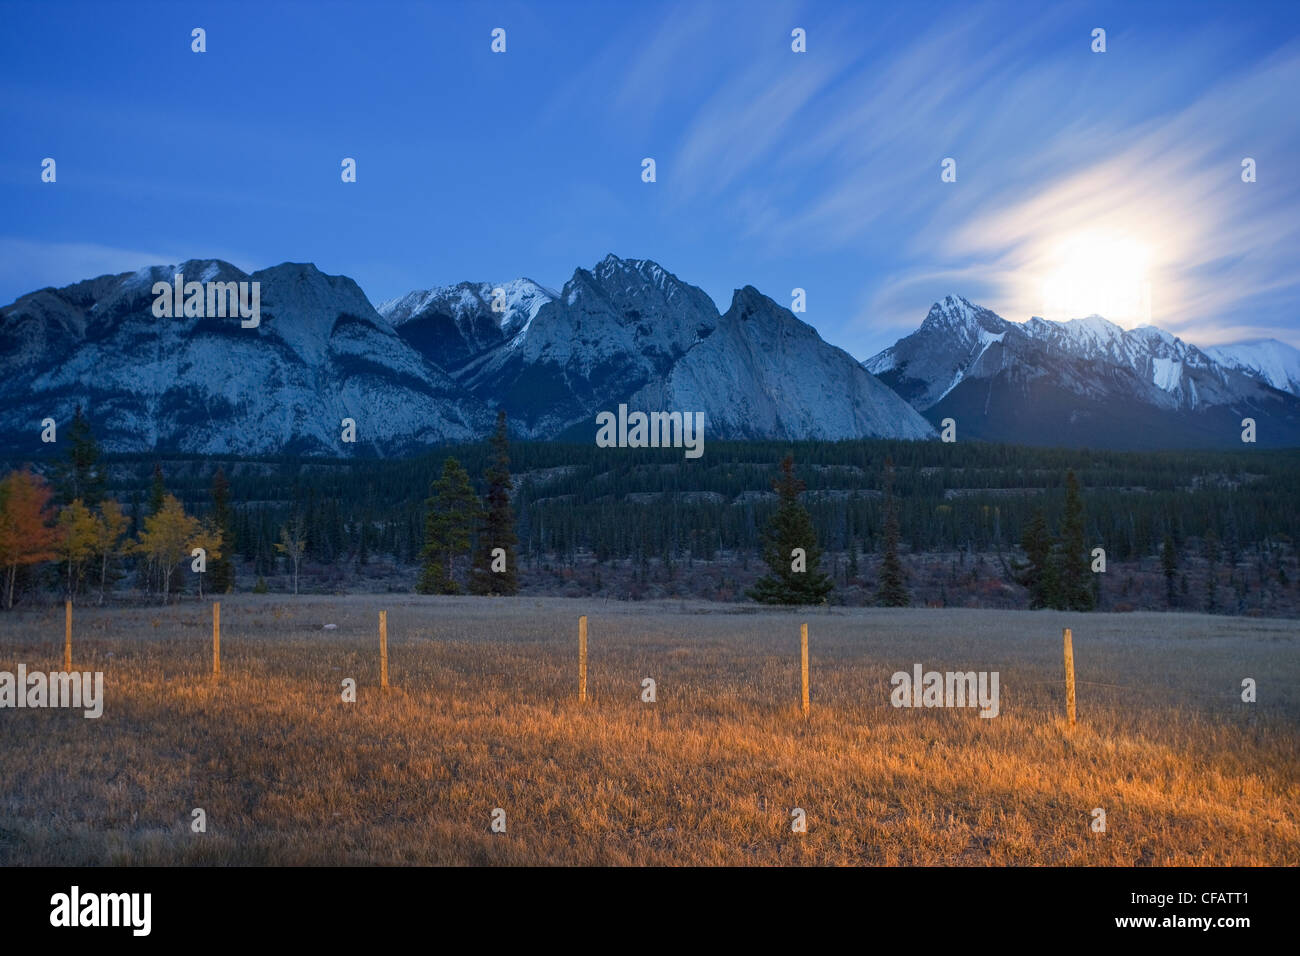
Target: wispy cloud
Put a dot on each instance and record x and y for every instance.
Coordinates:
(841, 154)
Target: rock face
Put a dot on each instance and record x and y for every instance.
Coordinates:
(320, 354)
(762, 373)
(429, 367)
(1085, 382)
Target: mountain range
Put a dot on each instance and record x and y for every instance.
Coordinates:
(434, 365)
(429, 367)
(1089, 383)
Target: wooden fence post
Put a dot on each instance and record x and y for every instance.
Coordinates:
(67, 637)
(1069, 677)
(803, 662)
(582, 659)
(216, 639)
(383, 649)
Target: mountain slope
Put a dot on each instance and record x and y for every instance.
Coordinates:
(1082, 382)
(612, 330)
(320, 354)
(629, 331)
(454, 324)
(762, 373)
(1269, 360)
(428, 367)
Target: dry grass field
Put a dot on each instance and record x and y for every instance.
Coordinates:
(482, 713)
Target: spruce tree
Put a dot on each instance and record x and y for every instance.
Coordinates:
(892, 591)
(1036, 572)
(80, 475)
(157, 490)
(1169, 561)
(450, 515)
(497, 529)
(791, 579)
(1074, 591)
(1212, 571)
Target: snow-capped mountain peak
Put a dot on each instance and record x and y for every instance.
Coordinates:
(1045, 380)
(1269, 360)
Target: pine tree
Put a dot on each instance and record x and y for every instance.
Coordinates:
(80, 474)
(1036, 573)
(892, 590)
(27, 534)
(1073, 588)
(1169, 561)
(451, 512)
(498, 525)
(157, 490)
(792, 578)
(221, 572)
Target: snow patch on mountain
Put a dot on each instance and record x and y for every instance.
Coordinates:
(1273, 362)
(1167, 373)
(1045, 380)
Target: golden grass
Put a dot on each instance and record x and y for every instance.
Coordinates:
(483, 714)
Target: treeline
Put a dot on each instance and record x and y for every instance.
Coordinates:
(68, 520)
(265, 516)
(72, 522)
(631, 503)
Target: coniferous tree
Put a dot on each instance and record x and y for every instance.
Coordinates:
(892, 591)
(498, 525)
(157, 490)
(1036, 572)
(790, 549)
(80, 474)
(450, 515)
(1073, 589)
(363, 539)
(1169, 561)
(1212, 575)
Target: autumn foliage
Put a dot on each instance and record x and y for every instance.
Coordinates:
(28, 535)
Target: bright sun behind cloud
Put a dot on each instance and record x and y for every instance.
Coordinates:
(1099, 273)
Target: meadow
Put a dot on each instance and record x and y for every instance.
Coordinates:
(482, 713)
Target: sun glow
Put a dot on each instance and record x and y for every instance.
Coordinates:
(1102, 274)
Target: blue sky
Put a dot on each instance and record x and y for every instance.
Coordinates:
(818, 170)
